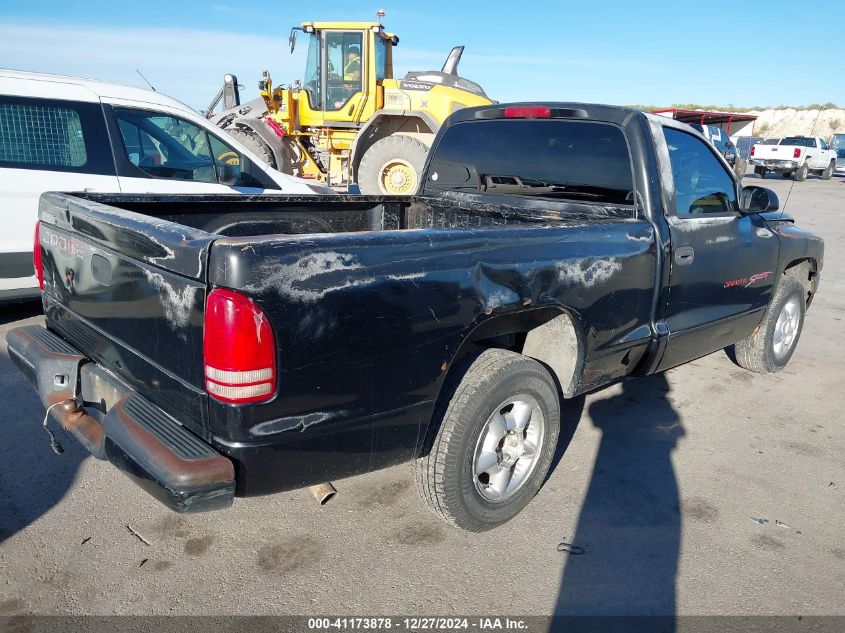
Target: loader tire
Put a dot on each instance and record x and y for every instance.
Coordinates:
(493, 438)
(255, 144)
(392, 166)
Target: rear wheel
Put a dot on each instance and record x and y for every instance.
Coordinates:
(760, 171)
(801, 173)
(770, 347)
(498, 426)
(827, 173)
(392, 166)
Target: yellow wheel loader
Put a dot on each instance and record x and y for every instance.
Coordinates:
(348, 121)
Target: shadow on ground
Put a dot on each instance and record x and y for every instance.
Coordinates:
(17, 310)
(32, 478)
(629, 527)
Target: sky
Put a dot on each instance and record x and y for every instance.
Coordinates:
(655, 53)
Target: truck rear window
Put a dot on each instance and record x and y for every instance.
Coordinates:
(582, 161)
(800, 141)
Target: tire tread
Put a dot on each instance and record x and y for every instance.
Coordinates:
(752, 352)
(256, 146)
(440, 456)
(396, 145)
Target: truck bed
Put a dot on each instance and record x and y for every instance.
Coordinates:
(254, 216)
(401, 281)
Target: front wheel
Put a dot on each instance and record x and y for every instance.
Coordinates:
(828, 172)
(393, 166)
(770, 347)
(498, 425)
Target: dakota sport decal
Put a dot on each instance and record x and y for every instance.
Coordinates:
(747, 281)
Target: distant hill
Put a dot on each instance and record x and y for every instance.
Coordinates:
(789, 121)
(821, 119)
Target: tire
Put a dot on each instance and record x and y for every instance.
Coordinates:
(253, 143)
(760, 171)
(801, 173)
(827, 173)
(759, 352)
(467, 416)
(740, 167)
(392, 166)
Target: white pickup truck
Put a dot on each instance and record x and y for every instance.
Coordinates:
(794, 156)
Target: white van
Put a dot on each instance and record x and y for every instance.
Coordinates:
(68, 134)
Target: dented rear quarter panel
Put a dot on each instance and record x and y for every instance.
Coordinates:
(367, 324)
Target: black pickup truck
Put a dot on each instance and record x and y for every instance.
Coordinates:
(222, 345)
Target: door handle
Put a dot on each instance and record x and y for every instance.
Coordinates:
(684, 255)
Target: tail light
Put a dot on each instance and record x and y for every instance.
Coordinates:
(796, 153)
(528, 112)
(36, 256)
(752, 150)
(239, 349)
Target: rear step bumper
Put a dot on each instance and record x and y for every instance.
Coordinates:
(161, 456)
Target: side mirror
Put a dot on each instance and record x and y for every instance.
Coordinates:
(227, 174)
(758, 199)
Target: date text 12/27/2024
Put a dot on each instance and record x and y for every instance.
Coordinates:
(418, 624)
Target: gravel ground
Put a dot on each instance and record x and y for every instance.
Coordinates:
(659, 486)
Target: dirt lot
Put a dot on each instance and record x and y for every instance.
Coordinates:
(659, 486)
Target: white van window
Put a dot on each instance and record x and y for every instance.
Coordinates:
(54, 135)
(44, 135)
(164, 146)
(225, 155)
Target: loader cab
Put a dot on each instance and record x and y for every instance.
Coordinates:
(345, 67)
